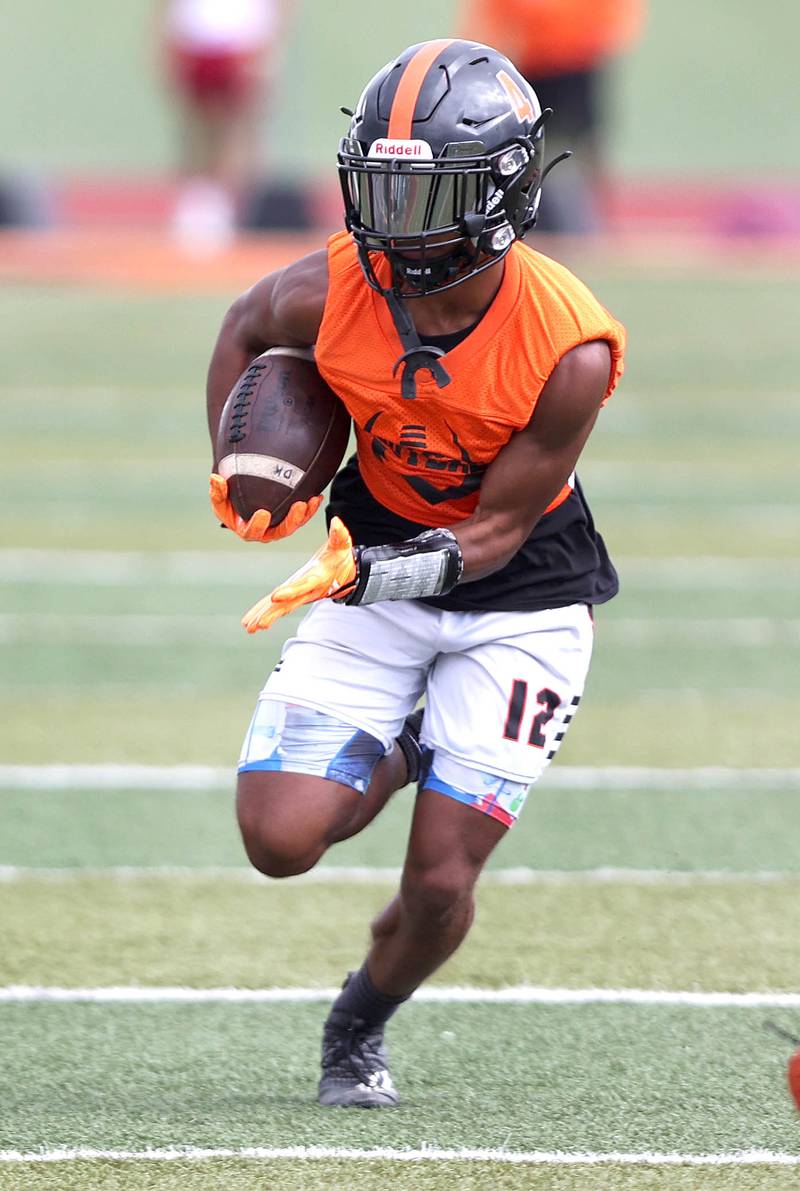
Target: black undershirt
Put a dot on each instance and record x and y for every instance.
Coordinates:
(564, 561)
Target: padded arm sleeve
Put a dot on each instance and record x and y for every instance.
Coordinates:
(427, 565)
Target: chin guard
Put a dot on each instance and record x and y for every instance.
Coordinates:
(415, 356)
(411, 362)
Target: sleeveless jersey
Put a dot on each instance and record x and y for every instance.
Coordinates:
(547, 37)
(420, 461)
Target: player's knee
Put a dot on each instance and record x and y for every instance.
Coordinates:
(278, 863)
(278, 856)
(439, 894)
(277, 843)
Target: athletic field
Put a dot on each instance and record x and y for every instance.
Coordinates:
(606, 1024)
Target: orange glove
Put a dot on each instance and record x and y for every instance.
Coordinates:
(328, 572)
(257, 528)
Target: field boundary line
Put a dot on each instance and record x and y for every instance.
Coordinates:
(754, 1157)
(158, 629)
(364, 875)
(210, 777)
(181, 567)
(463, 995)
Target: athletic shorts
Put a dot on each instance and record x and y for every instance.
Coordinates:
(500, 689)
(220, 76)
(576, 97)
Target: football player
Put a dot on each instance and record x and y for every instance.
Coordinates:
(218, 59)
(462, 563)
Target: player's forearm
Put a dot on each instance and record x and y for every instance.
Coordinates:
(488, 541)
(516, 492)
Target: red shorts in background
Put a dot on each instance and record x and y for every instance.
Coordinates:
(207, 76)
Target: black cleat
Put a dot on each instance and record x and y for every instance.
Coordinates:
(354, 1070)
(408, 742)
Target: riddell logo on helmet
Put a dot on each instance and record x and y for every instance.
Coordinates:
(384, 147)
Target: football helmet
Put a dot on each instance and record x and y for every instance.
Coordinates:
(441, 168)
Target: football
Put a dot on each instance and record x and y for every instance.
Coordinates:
(282, 434)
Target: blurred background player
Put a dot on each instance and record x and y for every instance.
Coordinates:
(564, 48)
(219, 58)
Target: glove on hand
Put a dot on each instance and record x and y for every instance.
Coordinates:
(329, 572)
(257, 528)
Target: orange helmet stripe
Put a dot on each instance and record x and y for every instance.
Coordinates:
(409, 87)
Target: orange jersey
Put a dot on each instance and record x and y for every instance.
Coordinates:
(551, 36)
(423, 459)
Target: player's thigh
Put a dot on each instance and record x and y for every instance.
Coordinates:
(498, 709)
(329, 711)
(301, 773)
(367, 666)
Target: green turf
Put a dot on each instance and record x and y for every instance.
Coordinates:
(604, 1077)
(95, 700)
(225, 657)
(232, 1175)
(124, 431)
(680, 590)
(744, 829)
(735, 937)
(695, 664)
(165, 724)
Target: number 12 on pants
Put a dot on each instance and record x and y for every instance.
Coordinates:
(547, 702)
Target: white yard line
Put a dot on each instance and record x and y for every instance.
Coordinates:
(364, 875)
(711, 633)
(157, 630)
(123, 629)
(426, 1154)
(226, 567)
(521, 995)
(145, 568)
(115, 777)
(563, 777)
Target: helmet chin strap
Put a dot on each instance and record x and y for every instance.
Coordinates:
(415, 356)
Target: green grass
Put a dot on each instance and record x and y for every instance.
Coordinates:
(590, 1078)
(675, 462)
(174, 720)
(692, 458)
(193, 656)
(232, 1175)
(745, 829)
(119, 642)
(734, 937)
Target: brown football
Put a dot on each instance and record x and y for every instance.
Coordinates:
(282, 434)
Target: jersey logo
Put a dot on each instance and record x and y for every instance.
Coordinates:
(411, 451)
(519, 100)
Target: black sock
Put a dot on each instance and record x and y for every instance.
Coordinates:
(360, 999)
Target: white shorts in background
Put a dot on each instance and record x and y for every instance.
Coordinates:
(500, 688)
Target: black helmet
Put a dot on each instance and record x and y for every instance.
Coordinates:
(444, 152)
